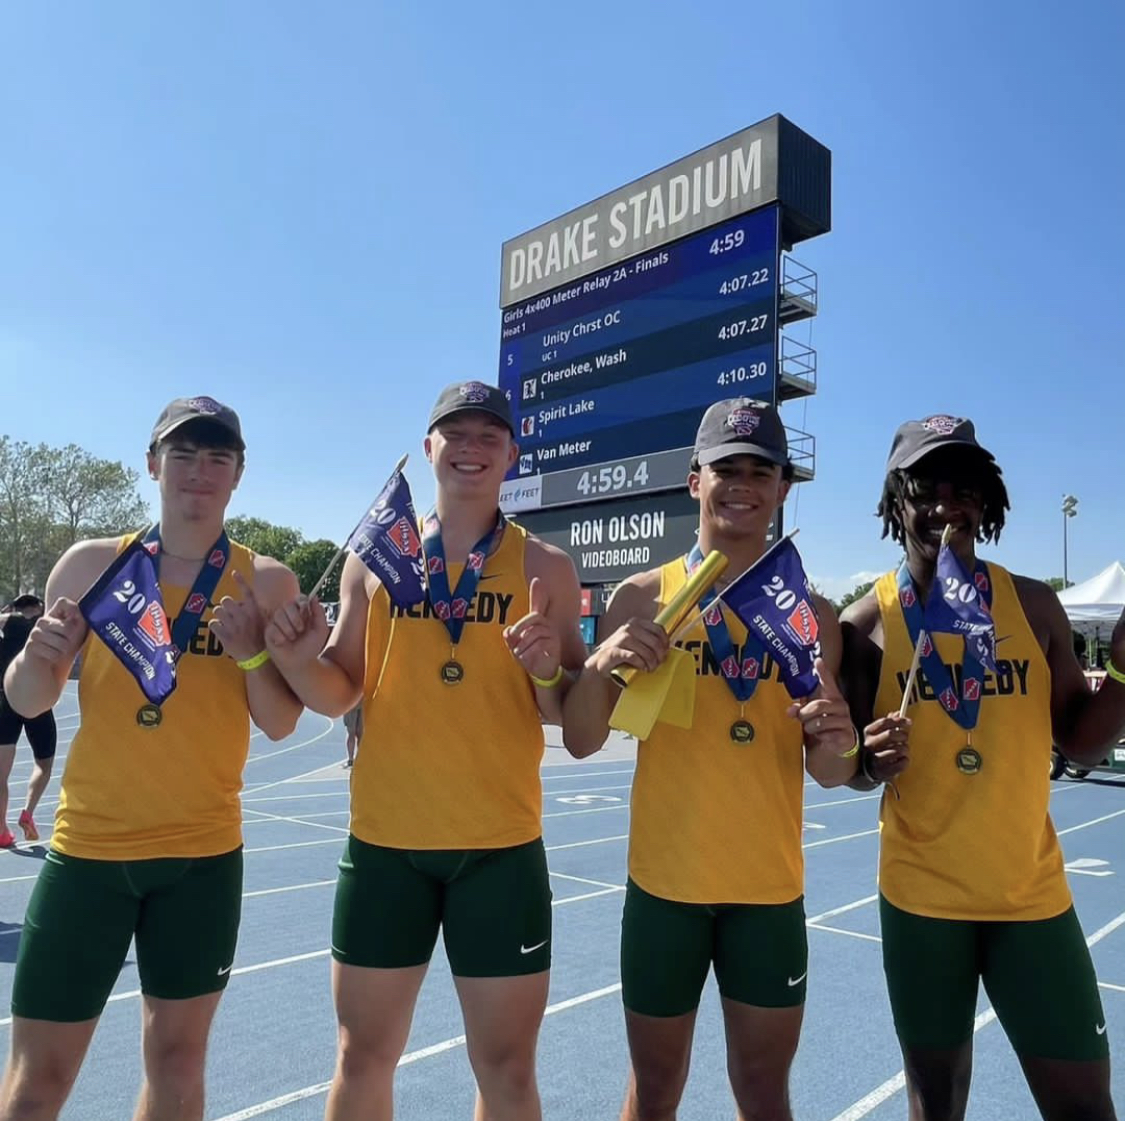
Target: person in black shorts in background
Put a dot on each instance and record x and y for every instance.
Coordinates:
(16, 621)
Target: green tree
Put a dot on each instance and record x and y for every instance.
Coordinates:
(91, 497)
(858, 592)
(25, 523)
(265, 538)
(52, 497)
(309, 560)
(1056, 583)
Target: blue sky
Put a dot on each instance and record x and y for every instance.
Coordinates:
(299, 210)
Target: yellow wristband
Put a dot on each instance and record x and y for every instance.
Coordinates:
(259, 659)
(548, 682)
(855, 748)
(1114, 672)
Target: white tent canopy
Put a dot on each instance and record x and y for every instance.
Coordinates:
(1099, 600)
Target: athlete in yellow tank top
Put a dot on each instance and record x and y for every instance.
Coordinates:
(147, 839)
(445, 827)
(971, 874)
(716, 875)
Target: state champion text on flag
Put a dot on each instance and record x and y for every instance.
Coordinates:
(125, 610)
(775, 603)
(387, 541)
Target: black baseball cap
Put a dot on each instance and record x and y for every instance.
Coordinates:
(183, 409)
(463, 396)
(917, 438)
(741, 426)
(28, 599)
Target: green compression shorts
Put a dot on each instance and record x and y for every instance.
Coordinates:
(493, 907)
(183, 913)
(760, 953)
(1038, 976)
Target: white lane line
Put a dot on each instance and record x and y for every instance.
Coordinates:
(596, 810)
(893, 1085)
(265, 818)
(296, 797)
(583, 880)
(840, 930)
(593, 774)
(1115, 988)
(586, 895)
(304, 819)
(844, 909)
(583, 844)
(293, 747)
(291, 887)
(837, 840)
(585, 790)
(410, 1057)
(294, 845)
(843, 801)
(1087, 824)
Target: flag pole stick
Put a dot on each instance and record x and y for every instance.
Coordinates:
(917, 659)
(344, 548)
(914, 664)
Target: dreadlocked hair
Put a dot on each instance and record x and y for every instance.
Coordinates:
(994, 501)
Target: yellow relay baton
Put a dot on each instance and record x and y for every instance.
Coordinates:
(671, 616)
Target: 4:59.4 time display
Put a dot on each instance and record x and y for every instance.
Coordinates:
(611, 478)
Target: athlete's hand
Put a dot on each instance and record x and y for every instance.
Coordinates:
(887, 744)
(239, 624)
(58, 635)
(534, 639)
(297, 632)
(824, 714)
(639, 643)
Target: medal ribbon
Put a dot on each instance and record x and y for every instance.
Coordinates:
(451, 608)
(211, 572)
(741, 678)
(964, 709)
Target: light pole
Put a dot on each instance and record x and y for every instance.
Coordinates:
(1069, 510)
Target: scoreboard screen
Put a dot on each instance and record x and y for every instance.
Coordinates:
(609, 375)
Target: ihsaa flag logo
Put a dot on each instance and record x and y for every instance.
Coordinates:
(387, 542)
(125, 610)
(774, 600)
(956, 606)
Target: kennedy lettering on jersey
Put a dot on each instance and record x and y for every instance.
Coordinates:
(484, 607)
(204, 644)
(1009, 679)
(750, 664)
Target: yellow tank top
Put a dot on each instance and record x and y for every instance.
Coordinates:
(450, 766)
(714, 821)
(982, 846)
(131, 793)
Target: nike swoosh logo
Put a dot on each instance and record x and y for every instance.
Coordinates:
(1101, 1030)
(1004, 639)
(223, 972)
(491, 576)
(793, 983)
(532, 949)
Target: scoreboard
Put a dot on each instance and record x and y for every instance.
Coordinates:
(609, 375)
(623, 319)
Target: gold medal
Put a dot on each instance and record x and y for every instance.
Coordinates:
(969, 761)
(149, 716)
(742, 731)
(452, 672)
